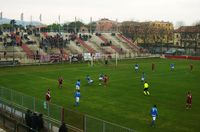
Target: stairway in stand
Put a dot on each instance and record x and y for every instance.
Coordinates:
(129, 42)
(28, 51)
(107, 42)
(91, 50)
(25, 48)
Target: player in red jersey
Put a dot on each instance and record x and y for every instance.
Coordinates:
(191, 67)
(105, 80)
(60, 82)
(153, 67)
(48, 96)
(189, 100)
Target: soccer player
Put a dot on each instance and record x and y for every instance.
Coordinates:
(154, 114)
(78, 84)
(48, 96)
(143, 77)
(100, 79)
(89, 80)
(77, 97)
(189, 100)
(146, 88)
(191, 67)
(172, 66)
(153, 67)
(136, 67)
(105, 80)
(60, 82)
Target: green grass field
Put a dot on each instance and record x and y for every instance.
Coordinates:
(123, 101)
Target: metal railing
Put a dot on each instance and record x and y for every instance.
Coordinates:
(53, 114)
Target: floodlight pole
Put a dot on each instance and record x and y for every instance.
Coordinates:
(116, 59)
(40, 38)
(75, 25)
(90, 25)
(92, 62)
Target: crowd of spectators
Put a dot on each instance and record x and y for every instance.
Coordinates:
(34, 120)
(57, 41)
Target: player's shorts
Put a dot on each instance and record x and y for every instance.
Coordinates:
(77, 99)
(77, 87)
(145, 89)
(91, 81)
(142, 79)
(100, 78)
(136, 68)
(154, 118)
(189, 101)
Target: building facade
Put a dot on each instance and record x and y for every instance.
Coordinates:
(157, 32)
(106, 25)
(187, 36)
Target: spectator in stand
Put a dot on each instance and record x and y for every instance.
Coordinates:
(40, 122)
(34, 121)
(4, 54)
(63, 128)
(28, 118)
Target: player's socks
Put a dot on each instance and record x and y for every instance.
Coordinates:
(148, 93)
(145, 93)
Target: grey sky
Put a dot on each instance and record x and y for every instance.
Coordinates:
(187, 11)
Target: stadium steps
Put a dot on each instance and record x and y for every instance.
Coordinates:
(104, 49)
(119, 43)
(134, 45)
(35, 48)
(108, 50)
(112, 46)
(97, 42)
(25, 48)
(45, 34)
(96, 47)
(18, 52)
(90, 49)
(28, 51)
(74, 48)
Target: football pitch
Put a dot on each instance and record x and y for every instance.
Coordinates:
(122, 101)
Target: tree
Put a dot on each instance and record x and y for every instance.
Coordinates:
(72, 25)
(13, 24)
(197, 23)
(55, 27)
(179, 24)
(92, 25)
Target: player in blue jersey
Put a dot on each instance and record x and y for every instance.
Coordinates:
(100, 79)
(143, 77)
(89, 80)
(77, 97)
(172, 66)
(78, 84)
(154, 114)
(136, 67)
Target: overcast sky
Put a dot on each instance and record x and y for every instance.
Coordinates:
(187, 11)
